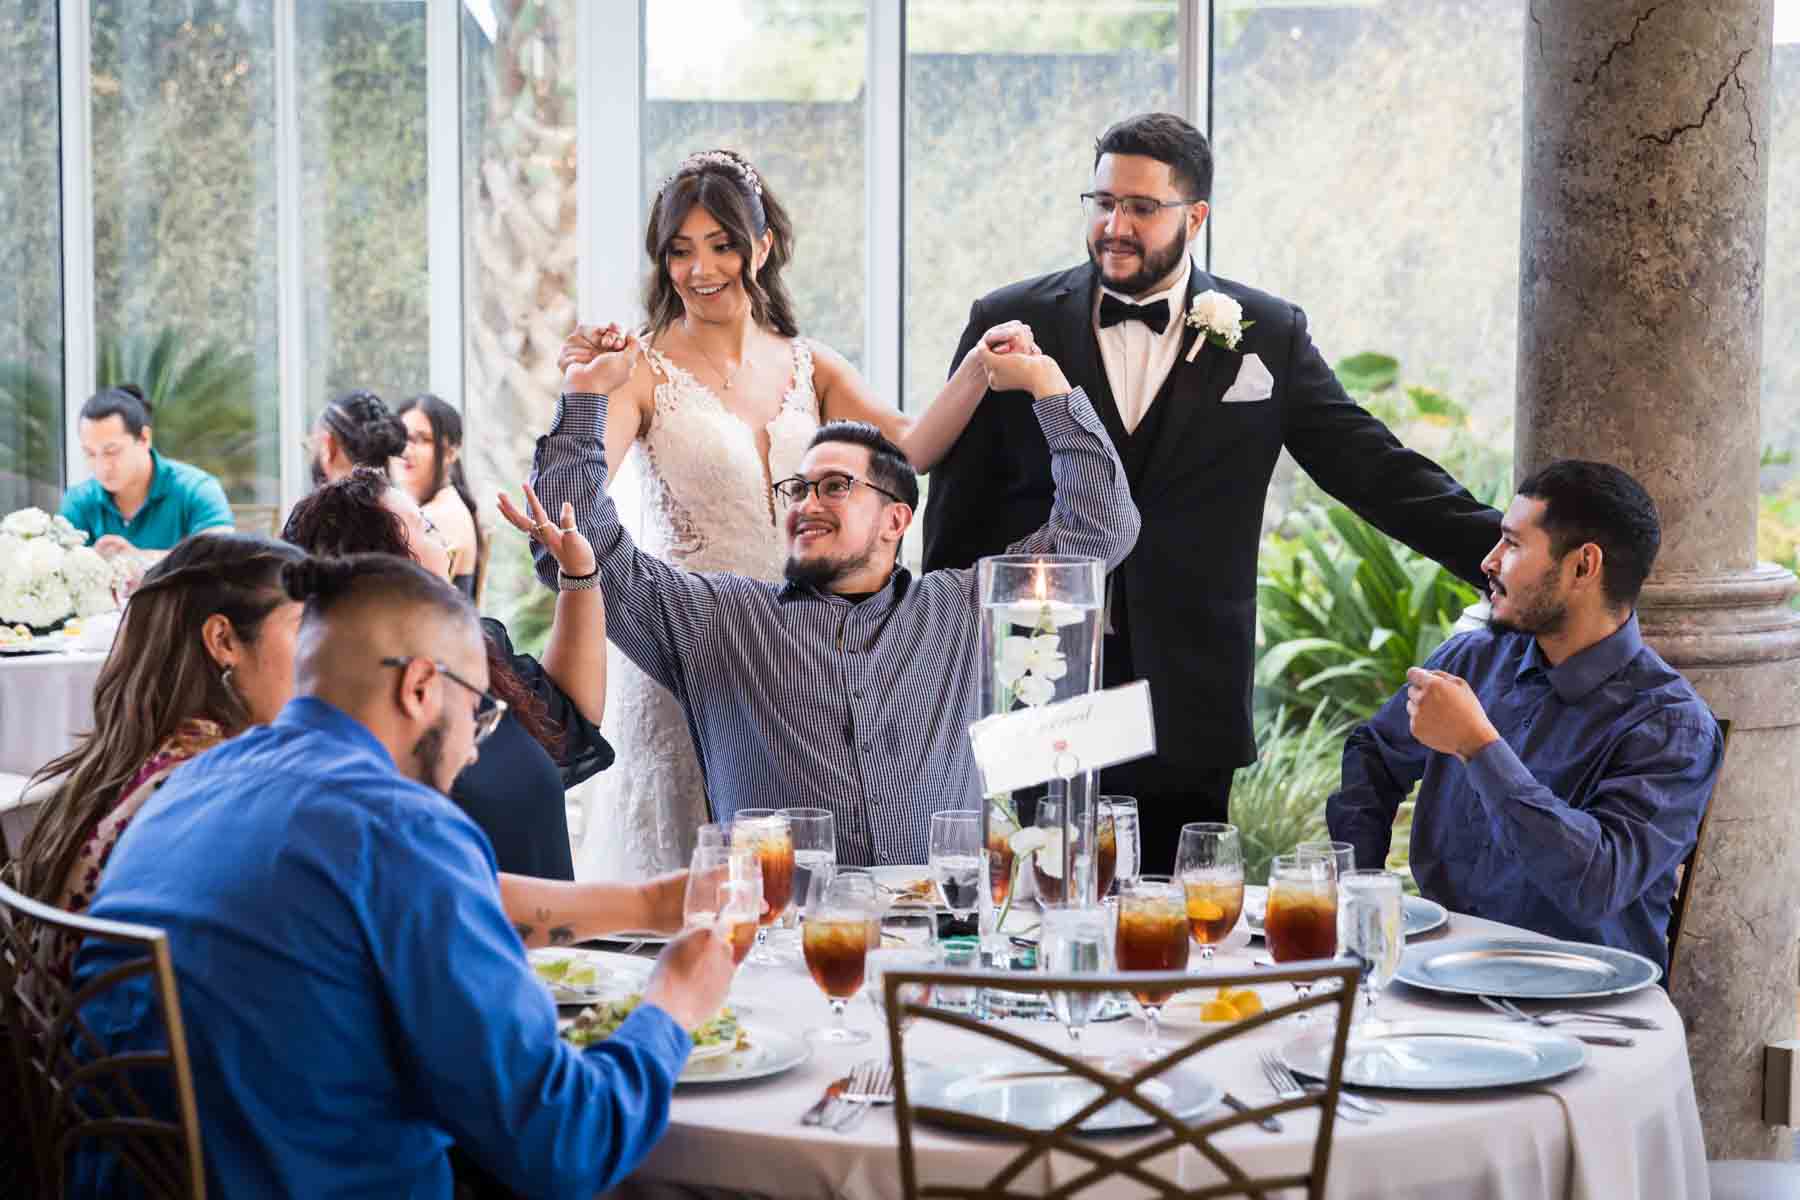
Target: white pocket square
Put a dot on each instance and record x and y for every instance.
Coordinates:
(1253, 382)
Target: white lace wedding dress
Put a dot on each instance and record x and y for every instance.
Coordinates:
(705, 505)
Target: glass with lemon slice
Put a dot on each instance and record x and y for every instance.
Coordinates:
(1210, 865)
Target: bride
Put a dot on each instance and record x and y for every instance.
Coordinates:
(723, 398)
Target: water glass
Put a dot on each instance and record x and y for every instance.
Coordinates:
(1209, 861)
(1074, 941)
(1371, 911)
(909, 923)
(900, 958)
(843, 913)
(814, 831)
(1128, 857)
(955, 855)
(959, 954)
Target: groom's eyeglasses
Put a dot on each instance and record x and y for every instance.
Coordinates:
(833, 488)
(1139, 208)
(488, 709)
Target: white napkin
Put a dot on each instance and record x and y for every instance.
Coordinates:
(1253, 382)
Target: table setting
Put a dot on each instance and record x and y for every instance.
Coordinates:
(1486, 1060)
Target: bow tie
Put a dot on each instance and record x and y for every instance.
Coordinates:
(1113, 310)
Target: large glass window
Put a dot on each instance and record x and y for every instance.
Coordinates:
(361, 72)
(1367, 169)
(31, 374)
(184, 227)
(1002, 109)
(782, 82)
(519, 257)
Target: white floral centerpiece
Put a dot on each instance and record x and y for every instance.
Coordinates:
(49, 574)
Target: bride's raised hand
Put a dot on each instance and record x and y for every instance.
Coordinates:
(599, 360)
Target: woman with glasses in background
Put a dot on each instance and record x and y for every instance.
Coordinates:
(431, 469)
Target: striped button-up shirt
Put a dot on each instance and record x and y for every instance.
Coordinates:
(801, 697)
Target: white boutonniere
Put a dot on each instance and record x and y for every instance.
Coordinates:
(1220, 320)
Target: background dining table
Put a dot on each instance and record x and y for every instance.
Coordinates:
(46, 701)
(1623, 1125)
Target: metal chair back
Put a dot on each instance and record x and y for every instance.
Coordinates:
(77, 1091)
(1106, 1160)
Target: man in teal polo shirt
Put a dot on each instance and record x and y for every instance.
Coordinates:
(137, 500)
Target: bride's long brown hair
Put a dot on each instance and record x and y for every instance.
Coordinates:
(158, 675)
(745, 212)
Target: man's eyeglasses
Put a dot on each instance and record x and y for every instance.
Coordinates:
(488, 710)
(1139, 208)
(833, 488)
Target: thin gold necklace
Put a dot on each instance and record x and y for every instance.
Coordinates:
(729, 377)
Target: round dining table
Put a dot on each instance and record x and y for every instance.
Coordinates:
(46, 702)
(1624, 1124)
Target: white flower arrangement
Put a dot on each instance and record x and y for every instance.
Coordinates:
(1220, 320)
(1031, 665)
(49, 574)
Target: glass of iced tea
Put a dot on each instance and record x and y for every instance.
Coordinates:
(1301, 920)
(1152, 935)
(843, 919)
(724, 888)
(768, 834)
(1106, 849)
(1209, 861)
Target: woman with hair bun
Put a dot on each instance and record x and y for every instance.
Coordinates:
(356, 430)
(729, 396)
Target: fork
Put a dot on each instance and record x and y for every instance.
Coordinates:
(1374, 1108)
(871, 1083)
(1514, 1012)
(1590, 1014)
(1287, 1087)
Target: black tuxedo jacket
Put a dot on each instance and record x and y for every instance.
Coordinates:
(1184, 602)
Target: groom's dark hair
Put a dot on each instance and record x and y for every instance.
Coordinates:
(1168, 139)
(888, 465)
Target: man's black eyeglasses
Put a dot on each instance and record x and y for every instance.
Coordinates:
(833, 488)
(488, 710)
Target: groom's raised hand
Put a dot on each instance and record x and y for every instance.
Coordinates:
(598, 359)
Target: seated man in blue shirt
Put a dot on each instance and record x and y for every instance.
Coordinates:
(1565, 764)
(138, 499)
(355, 998)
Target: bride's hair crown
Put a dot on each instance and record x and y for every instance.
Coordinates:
(695, 163)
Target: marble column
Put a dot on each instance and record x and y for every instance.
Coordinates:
(1640, 343)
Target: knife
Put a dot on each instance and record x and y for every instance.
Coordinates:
(1271, 1123)
(833, 1090)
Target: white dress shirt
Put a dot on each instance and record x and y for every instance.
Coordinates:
(1136, 357)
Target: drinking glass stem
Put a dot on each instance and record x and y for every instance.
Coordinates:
(1301, 992)
(1151, 1013)
(837, 1011)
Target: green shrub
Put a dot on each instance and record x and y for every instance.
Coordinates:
(1278, 801)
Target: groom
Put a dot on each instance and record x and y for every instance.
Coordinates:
(1199, 418)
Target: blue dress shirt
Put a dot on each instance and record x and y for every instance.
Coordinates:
(354, 996)
(1573, 823)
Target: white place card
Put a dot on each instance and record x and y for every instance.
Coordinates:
(1030, 746)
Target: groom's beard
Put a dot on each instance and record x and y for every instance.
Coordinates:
(1158, 263)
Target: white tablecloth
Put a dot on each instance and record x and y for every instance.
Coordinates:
(45, 701)
(1624, 1125)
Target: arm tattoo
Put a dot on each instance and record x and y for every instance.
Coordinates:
(561, 935)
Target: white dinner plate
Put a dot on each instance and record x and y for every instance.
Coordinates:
(615, 974)
(770, 1052)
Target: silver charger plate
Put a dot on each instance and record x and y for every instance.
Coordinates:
(1032, 1093)
(1441, 1056)
(771, 1052)
(1420, 915)
(1526, 969)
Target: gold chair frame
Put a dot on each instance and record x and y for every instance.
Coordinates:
(1066, 1137)
(74, 1089)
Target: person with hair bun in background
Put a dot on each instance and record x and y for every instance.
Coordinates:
(356, 430)
(138, 499)
(431, 469)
